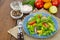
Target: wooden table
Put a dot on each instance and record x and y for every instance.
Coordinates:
(6, 22)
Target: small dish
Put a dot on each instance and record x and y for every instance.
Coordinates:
(26, 9)
(16, 14)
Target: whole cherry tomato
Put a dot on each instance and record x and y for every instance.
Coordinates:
(59, 1)
(38, 1)
(55, 2)
(38, 4)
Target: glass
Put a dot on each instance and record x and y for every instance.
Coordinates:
(16, 5)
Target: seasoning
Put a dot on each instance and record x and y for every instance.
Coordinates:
(16, 13)
(20, 35)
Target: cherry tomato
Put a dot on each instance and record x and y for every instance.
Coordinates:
(32, 22)
(38, 4)
(38, 16)
(55, 2)
(59, 1)
(45, 24)
(38, 1)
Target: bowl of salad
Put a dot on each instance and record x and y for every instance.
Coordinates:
(40, 25)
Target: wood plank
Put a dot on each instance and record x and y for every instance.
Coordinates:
(6, 22)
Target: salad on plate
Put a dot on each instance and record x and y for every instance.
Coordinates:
(40, 25)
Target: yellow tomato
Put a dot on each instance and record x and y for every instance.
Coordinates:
(39, 31)
(47, 5)
(34, 25)
(46, 0)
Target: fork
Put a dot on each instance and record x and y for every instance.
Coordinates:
(20, 35)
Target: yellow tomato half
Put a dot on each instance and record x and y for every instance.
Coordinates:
(47, 5)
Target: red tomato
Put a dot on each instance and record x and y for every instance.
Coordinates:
(55, 2)
(38, 1)
(32, 22)
(59, 1)
(45, 24)
(38, 4)
(38, 16)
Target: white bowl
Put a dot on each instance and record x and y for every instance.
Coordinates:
(26, 11)
(14, 16)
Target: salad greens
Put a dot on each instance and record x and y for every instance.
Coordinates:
(41, 25)
(30, 2)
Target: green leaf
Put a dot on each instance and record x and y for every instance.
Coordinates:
(38, 20)
(32, 32)
(51, 27)
(30, 2)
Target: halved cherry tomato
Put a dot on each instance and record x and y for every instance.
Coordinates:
(39, 31)
(45, 24)
(32, 22)
(38, 16)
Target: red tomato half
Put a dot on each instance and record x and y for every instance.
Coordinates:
(46, 25)
(32, 22)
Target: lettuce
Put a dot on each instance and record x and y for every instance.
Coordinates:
(39, 25)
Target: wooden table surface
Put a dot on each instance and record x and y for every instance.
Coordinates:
(6, 22)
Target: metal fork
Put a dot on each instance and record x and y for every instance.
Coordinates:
(20, 35)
